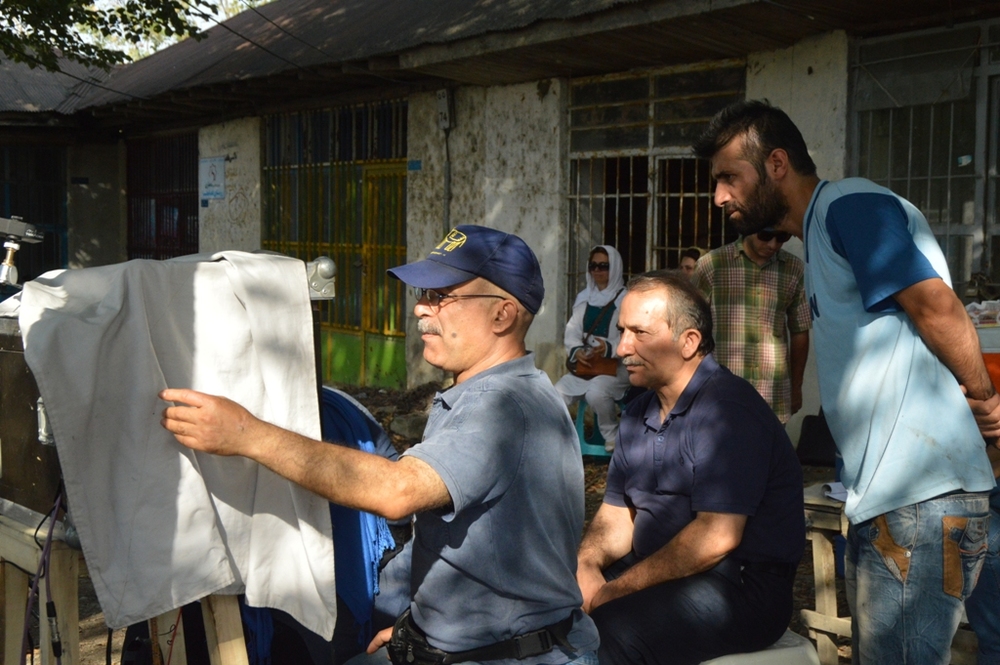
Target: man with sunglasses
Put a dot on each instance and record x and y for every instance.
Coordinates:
(902, 380)
(496, 483)
(761, 315)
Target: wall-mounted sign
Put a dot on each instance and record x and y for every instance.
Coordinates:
(212, 178)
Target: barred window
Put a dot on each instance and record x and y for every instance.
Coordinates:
(634, 183)
(926, 126)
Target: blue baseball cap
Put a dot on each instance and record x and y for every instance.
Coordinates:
(471, 251)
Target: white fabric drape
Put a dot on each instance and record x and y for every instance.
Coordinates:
(161, 525)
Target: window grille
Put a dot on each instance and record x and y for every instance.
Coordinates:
(926, 126)
(335, 184)
(633, 181)
(162, 176)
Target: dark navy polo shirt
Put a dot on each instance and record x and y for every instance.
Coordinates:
(721, 449)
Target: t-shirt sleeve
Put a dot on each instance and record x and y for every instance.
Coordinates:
(478, 452)
(731, 457)
(614, 487)
(870, 231)
(630, 429)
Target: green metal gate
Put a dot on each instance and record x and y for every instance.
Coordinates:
(353, 210)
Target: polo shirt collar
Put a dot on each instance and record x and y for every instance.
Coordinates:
(706, 369)
(518, 366)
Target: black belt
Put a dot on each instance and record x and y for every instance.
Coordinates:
(409, 645)
(534, 643)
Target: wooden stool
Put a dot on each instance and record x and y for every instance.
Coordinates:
(19, 552)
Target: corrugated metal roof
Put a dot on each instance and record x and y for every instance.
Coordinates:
(23, 89)
(296, 54)
(288, 35)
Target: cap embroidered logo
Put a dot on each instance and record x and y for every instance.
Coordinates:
(452, 241)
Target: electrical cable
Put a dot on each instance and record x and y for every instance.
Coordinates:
(50, 606)
(222, 24)
(173, 635)
(293, 36)
(42, 569)
(88, 81)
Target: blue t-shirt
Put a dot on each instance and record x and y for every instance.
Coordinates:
(721, 449)
(502, 561)
(899, 418)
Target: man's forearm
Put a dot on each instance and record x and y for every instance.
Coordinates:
(608, 538)
(698, 547)
(946, 328)
(350, 477)
(797, 357)
(345, 476)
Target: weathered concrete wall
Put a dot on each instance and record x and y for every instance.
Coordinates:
(233, 222)
(525, 187)
(809, 81)
(95, 210)
(508, 160)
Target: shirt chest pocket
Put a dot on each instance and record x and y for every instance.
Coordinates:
(674, 471)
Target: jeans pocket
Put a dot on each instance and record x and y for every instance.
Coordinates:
(965, 545)
(895, 556)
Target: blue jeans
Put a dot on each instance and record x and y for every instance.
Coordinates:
(911, 570)
(728, 609)
(983, 606)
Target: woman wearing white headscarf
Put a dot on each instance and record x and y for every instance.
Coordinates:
(596, 310)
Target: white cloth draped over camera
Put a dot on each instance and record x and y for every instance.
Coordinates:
(162, 525)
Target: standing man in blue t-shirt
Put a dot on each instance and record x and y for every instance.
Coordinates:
(902, 380)
(693, 553)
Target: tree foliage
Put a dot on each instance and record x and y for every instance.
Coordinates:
(39, 32)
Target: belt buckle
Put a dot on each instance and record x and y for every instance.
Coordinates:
(532, 644)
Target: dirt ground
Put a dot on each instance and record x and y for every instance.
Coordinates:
(398, 406)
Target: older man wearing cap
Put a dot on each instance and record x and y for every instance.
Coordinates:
(496, 483)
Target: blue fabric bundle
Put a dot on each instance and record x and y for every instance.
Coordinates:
(259, 632)
(359, 538)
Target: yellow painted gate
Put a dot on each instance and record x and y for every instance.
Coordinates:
(316, 202)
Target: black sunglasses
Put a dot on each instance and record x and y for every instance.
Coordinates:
(594, 266)
(435, 298)
(768, 236)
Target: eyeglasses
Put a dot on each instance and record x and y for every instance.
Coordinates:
(595, 267)
(768, 236)
(435, 298)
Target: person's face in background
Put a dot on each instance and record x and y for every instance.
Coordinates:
(687, 265)
(600, 270)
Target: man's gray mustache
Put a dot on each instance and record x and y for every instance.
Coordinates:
(630, 361)
(426, 327)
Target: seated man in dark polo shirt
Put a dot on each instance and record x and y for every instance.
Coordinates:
(693, 553)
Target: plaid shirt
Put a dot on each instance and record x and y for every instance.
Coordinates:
(754, 309)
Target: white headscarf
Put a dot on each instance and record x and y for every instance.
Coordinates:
(601, 297)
